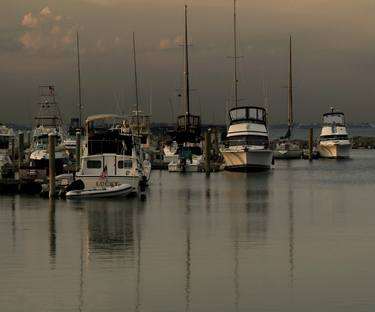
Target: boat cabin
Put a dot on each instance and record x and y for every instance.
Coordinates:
(105, 135)
(247, 127)
(188, 129)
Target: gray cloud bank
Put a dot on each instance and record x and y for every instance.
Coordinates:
(333, 55)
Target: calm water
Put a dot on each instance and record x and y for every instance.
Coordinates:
(299, 238)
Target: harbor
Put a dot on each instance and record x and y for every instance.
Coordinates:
(197, 156)
(229, 243)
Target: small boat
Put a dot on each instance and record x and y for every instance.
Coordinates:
(7, 138)
(334, 141)
(186, 162)
(108, 191)
(286, 148)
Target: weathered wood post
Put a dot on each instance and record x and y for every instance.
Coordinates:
(78, 150)
(21, 149)
(52, 169)
(311, 142)
(207, 139)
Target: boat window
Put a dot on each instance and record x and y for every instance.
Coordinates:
(238, 114)
(124, 164)
(94, 164)
(261, 114)
(334, 137)
(334, 119)
(4, 142)
(256, 140)
(253, 113)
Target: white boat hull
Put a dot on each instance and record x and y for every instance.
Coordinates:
(334, 150)
(247, 160)
(112, 191)
(94, 182)
(176, 167)
(287, 154)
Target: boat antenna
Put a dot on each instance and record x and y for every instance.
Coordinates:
(187, 89)
(290, 102)
(136, 83)
(235, 53)
(79, 86)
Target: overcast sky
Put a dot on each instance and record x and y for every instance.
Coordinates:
(333, 55)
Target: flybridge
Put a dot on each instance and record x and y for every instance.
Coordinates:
(253, 113)
(334, 118)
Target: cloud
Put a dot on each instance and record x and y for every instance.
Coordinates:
(29, 20)
(45, 11)
(47, 32)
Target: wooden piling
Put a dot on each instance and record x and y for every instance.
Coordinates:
(78, 150)
(21, 149)
(311, 142)
(207, 139)
(52, 169)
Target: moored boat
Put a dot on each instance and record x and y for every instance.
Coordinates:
(111, 155)
(104, 192)
(334, 141)
(247, 145)
(7, 138)
(285, 147)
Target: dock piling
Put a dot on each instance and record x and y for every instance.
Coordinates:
(21, 149)
(311, 142)
(78, 150)
(207, 139)
(52, 169)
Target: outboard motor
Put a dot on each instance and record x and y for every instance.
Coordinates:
(75, 185)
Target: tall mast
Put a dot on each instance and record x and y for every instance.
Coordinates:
(235, 53)
(187, 89)
(136, 83)
(290, 102)
(79, 86)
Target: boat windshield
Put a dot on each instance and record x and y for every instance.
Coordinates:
(334, 137)
(246, 140)
(334, 118)
(41, 141)
(256, 114)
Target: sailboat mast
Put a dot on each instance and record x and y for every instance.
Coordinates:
(187, 87)
(79, 86)
(136, 83)
(235, 53)
(290, 104)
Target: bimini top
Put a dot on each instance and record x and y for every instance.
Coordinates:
(103, 116)
(248, 113)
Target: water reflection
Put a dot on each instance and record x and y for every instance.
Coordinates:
(13, 207)
(111, 229)
(252, 196)
(52, 231)
(188, 251)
